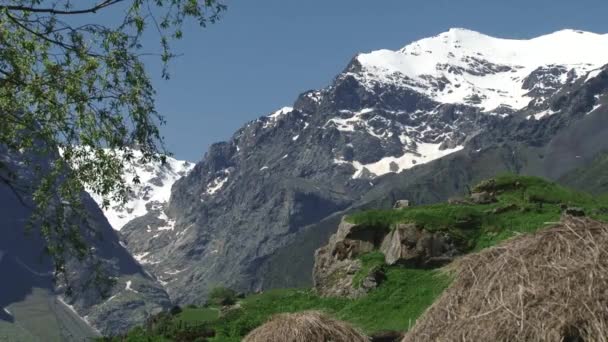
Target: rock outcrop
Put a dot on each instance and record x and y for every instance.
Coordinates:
(401, 204)
(338, 267)
(410, 245)
(482, 197)
(337, 263)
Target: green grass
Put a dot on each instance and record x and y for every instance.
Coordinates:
(432, 217)
(393, 306)
(525, 204)
(198, 315)
(369, 262)
(535, 201)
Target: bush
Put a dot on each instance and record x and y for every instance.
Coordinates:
(176, 310)
(222, 296)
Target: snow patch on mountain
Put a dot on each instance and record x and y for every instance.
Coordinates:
(593, 74)
(128, 286)
(357, 121)
(542, 114)
(280, 112)
(169, 223)
(272, 119)
(141, 257)
(596, 107)
(152, 191)
(218, 183)
(463, 66)
(424, 153)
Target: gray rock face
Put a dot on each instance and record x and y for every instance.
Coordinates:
(545, 81)
(26, 269)
(409, 245)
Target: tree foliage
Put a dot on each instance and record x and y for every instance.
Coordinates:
(73, 84)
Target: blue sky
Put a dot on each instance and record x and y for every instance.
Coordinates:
(263, 53)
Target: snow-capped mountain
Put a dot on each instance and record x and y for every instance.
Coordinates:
(463, 66)
(419, 123)
(150, 193)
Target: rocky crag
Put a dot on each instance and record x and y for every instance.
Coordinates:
(339, 270)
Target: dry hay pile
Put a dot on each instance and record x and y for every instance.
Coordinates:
(547, 286)
(308, 326)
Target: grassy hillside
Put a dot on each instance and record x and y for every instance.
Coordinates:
(592, 178)
(524, 204)
(382, 309)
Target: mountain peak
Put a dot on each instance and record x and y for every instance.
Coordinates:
(460, 63)
(461, 32)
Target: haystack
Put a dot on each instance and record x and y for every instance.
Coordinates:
(547, 286)
(308, 326)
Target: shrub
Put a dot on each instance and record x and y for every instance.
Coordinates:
(222, 296)
(176, 310)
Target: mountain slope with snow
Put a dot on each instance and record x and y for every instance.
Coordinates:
(463, 66)
(150, 193)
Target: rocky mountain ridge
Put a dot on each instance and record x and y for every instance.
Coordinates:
(357, 141)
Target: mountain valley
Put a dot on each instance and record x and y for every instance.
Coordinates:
(424, 123)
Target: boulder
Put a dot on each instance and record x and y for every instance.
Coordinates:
(574, 211)
(504, 209)
(457, 201)
(483, 197)
(484, 186)
(401, 204)
(410, 245)
(374, 278)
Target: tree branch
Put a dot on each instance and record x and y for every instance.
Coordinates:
(50, 10)
(43, 36)
(14, 190)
